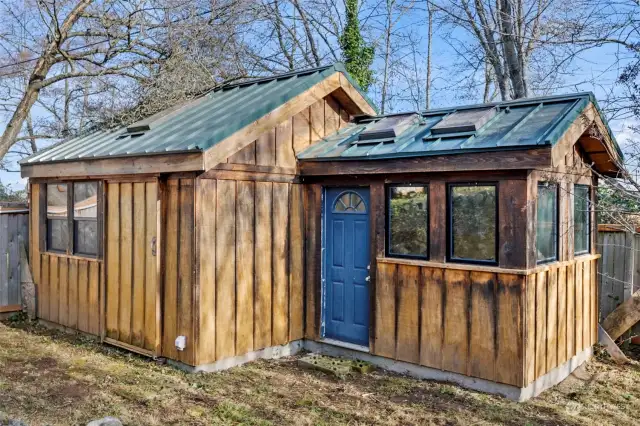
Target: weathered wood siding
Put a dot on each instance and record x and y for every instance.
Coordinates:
(179, 302)
(14, 231)
(463, 321)
(131, 294)
(507, 327)
(278, 146)
(69, 291)
(250, 254)
(561, 314)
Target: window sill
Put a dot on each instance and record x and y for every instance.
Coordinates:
(72, 256)
(484, 268)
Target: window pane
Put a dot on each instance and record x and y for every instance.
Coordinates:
(581, 223)
(57, 231)
(547, 228)
(85, 213)
(85, 201)
(473, 222)
(408, 219)
(57, 200)
(57, 235)
(86, 237)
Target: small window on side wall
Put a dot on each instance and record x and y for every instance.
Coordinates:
(408, 226)
(473, 213)
(547, 225)
(57, 225)
(75, 203)
(581, 219)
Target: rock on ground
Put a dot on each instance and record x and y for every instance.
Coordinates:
(106, 421)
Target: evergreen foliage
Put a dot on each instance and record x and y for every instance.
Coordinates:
(358, 55)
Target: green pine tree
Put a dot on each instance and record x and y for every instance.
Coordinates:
(358, 56)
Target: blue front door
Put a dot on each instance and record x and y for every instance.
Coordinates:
(346, 260)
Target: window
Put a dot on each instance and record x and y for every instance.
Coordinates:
(547, 226)
(349, 202)
(57, 225)
(408, 223)
(79, 202)
(85, 218)
(581, 219)
(473, 233)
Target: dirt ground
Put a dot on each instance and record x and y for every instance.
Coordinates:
(48, 377)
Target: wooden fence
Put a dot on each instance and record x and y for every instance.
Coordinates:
(14, 232)
(619, 267)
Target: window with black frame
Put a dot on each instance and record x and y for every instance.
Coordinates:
(581, 219)
(547, 223)
(81, 206)
(473, 215)
(408, 221)
(57, 215)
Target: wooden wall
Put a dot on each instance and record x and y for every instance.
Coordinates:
(131, 294)
(68, 291)
(68, 287)
(179, 302)
(14, 231)
(458, 320)
(250, 266)
(279, 146)
(561, 318)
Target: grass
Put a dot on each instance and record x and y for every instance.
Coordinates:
(47, 377)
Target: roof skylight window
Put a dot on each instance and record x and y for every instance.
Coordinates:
(465, 121)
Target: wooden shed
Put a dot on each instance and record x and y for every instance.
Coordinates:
(282, 213)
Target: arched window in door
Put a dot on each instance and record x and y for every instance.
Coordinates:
(349, 202)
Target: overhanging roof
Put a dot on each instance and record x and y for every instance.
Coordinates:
(195, 126)
(514, 125)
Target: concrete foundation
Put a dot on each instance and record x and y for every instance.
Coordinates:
(272, 352)
(515, 393)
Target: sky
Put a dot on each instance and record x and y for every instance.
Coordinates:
(593, 66)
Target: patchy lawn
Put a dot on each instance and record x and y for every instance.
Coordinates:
(47, 377)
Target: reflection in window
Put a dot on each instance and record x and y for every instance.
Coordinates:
(472, 222)
(581, 219)
(349, 202)
(547, 226)
(408, 221)
(57, 228)
(85, 214)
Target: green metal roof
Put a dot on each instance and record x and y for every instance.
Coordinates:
(195, 126)
(519, 124)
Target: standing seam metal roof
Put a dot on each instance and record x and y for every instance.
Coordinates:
(519, 124)
(197, 125)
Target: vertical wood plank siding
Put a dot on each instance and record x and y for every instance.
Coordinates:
(251, 253)
(131, 276)
(14, 231)
(502, 327)
(179, 274)
(68, 292)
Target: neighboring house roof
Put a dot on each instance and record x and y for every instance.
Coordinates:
(195, 126)
(520, 124)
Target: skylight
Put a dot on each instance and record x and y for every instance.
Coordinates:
(388, 127)
(464, 121)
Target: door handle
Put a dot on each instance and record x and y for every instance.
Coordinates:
(153, 246)
(368, 278)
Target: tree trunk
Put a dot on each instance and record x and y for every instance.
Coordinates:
(623, 317)
(510, 53)
(38, 75)
(387, 58)
(429, 38)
